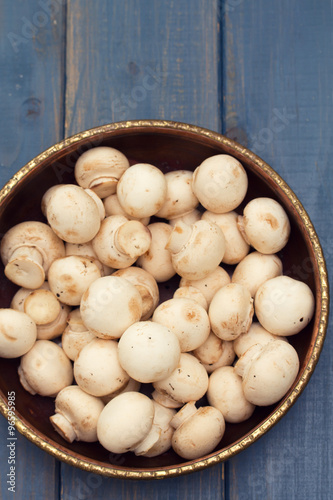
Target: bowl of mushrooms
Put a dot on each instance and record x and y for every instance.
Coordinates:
(164, 299)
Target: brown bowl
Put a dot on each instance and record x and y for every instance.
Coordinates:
(169, 146)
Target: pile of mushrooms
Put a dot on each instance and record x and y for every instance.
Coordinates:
(89, 326)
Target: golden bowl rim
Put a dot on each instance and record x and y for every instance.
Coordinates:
(268, 423)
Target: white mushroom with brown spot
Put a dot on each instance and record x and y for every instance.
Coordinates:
(270, 373)
(125, 421)
(27, 251)
(215, 352)
(148, 352)
(236, 247)
(255, 269)
(76, 415)
(226, 358)
(113, 207)
(119, 242)
(45, 369)
(257, 334)
(72, 214)
(265, 225)
(190, 292)
(187, 319)
(109, 306)
(196, 250)
(157, 259)
(180, 199)
(209, 285)
(220, 183)
(284, 305)
(142, 190)
(86, 250)
(18, 333)
(70, 277)
(198, 431)
(231, 311)
(97, 369)
(76, 335)
(100, 169)
(225, 392)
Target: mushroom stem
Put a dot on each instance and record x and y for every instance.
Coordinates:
(63, 426)
(133, 238)
(185, 412)
(25, 267)
(179, 237)
(42, 306)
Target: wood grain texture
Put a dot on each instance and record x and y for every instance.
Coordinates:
(31, 97)
(278, 100)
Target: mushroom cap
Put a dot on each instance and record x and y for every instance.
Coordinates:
(113, 207)
(73, 214)
(220, 183)
(70, 277)
(157, 259)
(231, 311)
(271, 373)
(146, 284)
(42, 306)
(210, 351)
(109, 306)
(148, 351)
(76, 414)
(209, 285)
(97, 369)
(255, 269)
(189, 218)
(180, 198)
(86, 250)
(27, 251)
(162, 418)
(236, 247)
(142, 190)
(265, 225)
(18, 333)
(257, 334)
(196, 250)
(187, 319)
(226, 358)
(45, 369)
(188, 382)
(190, 292)
(225, 392)
(284, 306)
(125, 422)
(76, 335)
(99, 169)
(199, 434)
(98, 201)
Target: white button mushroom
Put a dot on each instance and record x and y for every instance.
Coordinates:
(187, 319)
(99, 169)
(190, 292)
(157, 259)
(196, 250)
(146, 284)
(284, 306)
(73, 214)
(162, 419)
(97, 369)
(119, 242)
(220, 183)
(86, 250)
(271, 373)
(265, 225)
(225, 393)
(109, 306)
(257, 334)
(70, 277)
(180, 198)
(27, 251)
(99, 203)
(76, 335)
(226, 358)
(255, 269)
(236, 247)
(125, 421)
(76, 415)
(189, 218)
(164, 400)
(18, 333)
(148, 352)
(231, 311)
(45, 369)
(113, 207)
(142, 190)
(209, 285)
(198, 434)
(212, 349)
(188, 382)
(131, 386)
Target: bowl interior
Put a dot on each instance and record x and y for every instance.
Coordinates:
(169, 149)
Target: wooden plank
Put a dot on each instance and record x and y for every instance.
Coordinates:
(31, 68)
(278, 101)
(132, 60)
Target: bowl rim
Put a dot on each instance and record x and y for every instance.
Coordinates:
(93, 466)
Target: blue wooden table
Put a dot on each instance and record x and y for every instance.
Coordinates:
(261, 72)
